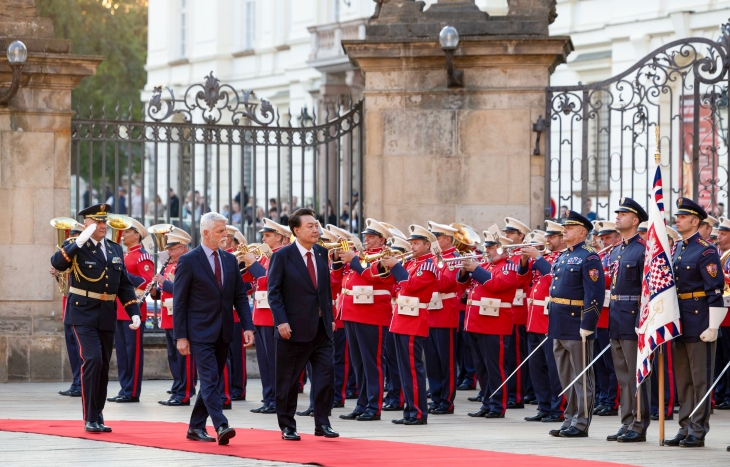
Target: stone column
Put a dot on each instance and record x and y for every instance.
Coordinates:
(455, 154)
(35, 175)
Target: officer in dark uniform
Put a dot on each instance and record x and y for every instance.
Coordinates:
(626, 268)
(576, 298)
(99, 276)
(699, 279)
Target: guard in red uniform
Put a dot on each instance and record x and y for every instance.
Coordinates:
(519, 386)
(366, 311)
(129, 342)
(607, 387)
(722, 390)
(182, 367)
(273, 235)
(443, 321)
(543, 370)
(416, 283)
(489, 319)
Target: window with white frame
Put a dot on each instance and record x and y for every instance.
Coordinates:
(249, 34)
(183, 31)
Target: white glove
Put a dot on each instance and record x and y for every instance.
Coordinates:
(710, 335)
(585, 333)
(85, 235)
(135, 323)
(717, 315)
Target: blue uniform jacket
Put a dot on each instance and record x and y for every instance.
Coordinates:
(697, 269)
(91, 273)
(577, 275)
(626, 266)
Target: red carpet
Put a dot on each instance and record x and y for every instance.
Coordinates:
(268, 445)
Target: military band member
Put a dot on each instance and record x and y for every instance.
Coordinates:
(626, 271)
(99, 275)
(235, 373)
(706, 227)
(182, 367)
(489, 321)
(366, 311)
(416, 282)
(72, 345)
(519, 386)
(722, 390)
(443, 321)
(642, 230)
(673, 235)
(543, 370)
(128, 342)
(607, 395)
(699, 280)
(273, 235)
(576, 299)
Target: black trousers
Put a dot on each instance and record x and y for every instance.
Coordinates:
(95, 350)
(291, 359)
(210, 360)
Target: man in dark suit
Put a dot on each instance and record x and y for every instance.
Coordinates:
(301, 302)
(207, 286)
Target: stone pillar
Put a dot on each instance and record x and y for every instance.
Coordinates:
(455, 154)
(35, 175)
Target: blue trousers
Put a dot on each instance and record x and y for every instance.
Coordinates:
(413, 375)
(544, 375)
(607, 392)
(210, 359)
(519, 384)
(238, 377)
(95, 351)
(490, 368)
(72, 347)
(130, 358)
(183, 370)
(465, 356)
(394, 395)
(266, 355)
(366, 349)
(344, 373)
(441, 366)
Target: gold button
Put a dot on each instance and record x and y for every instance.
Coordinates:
(696, 312)
(556, 278)
(628, 266)
(619, 256)
(89, 266)
(572, 314)
(676, 277)
(106, 285)
(633, 312)
(679, 257)
(106, 269)
(687, 267)
(77, 303)
(106, 277)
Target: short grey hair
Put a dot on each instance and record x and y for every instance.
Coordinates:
(209, 219)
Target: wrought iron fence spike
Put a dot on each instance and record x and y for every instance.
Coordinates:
(116, 109)
(103, 109)
(288, 111)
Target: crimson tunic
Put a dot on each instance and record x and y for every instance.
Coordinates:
(537, 319)
(501, 284)
(261, 316)
(421, 283)
(450, 291)
(138, 263)
(167, 321)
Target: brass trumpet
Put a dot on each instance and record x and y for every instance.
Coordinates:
(444, 261)
(118, 225)
(343, 245)
(257, 249)
(159, 231)
(368, 260)
(63, 226)
(510, 248)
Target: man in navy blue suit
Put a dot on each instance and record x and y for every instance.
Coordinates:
(207, 285)
(301, 302)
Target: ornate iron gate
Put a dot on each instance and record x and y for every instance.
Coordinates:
(600, 138)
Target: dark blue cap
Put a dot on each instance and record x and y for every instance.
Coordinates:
(575, 218)
(687, 206)
(629, 205)
(98, 212)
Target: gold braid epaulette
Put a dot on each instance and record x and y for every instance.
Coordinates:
(65, 255)
(129, 303)
(77, 272)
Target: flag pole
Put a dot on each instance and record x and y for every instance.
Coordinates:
(660, 359)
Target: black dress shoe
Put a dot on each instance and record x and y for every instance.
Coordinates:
(597, 409)
(515, 405)
(674, 441)
(399, 421)
(632, 437)
(692, 442)
(238, 398)
(614, 437)
(169, 392)
(416, 421)
(442, 411)
(199, 435)
(538, 417)
(573, 432)
(327, 431)
(367, 417)
(112, 399)
(259, 409)
(92, 427)
(552, 418)
(480, 413)
(269, 410)
(351, 416)
(224, 434)
(494, 415)
(555, 433)
(465, 387)
(104, 428)
(306, 413)
(474, 399)
(391, 408)
(176, 403)
(351, 395)
(607, 412)
(534, 402)
(338, 405)
(290, 434)
(126, 399)
(76, 393)
(228, 406)
(67, 392)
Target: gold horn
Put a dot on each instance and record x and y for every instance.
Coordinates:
(257, 249)
(118, 224)
(466, 238)
(159, 232)
(63, 226)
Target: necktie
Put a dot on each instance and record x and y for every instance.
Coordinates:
(217, 268)
(310, 267)
(99, 252)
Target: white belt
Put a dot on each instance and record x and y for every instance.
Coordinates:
(538, 302)
(478, 303)
(410, 306)
(375, 292)
(445, 296)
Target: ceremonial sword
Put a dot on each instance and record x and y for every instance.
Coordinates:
(523, 362)
(584, 370)
(710, 391)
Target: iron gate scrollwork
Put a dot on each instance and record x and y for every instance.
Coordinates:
(600, 142)
(218, 148)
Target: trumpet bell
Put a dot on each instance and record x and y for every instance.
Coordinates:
(466, 237)
(159, 232)
(63, 226)
(118, 225)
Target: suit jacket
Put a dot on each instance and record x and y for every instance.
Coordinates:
(292, 296)
(202, 310)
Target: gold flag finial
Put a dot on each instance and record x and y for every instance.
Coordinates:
(657, 155)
